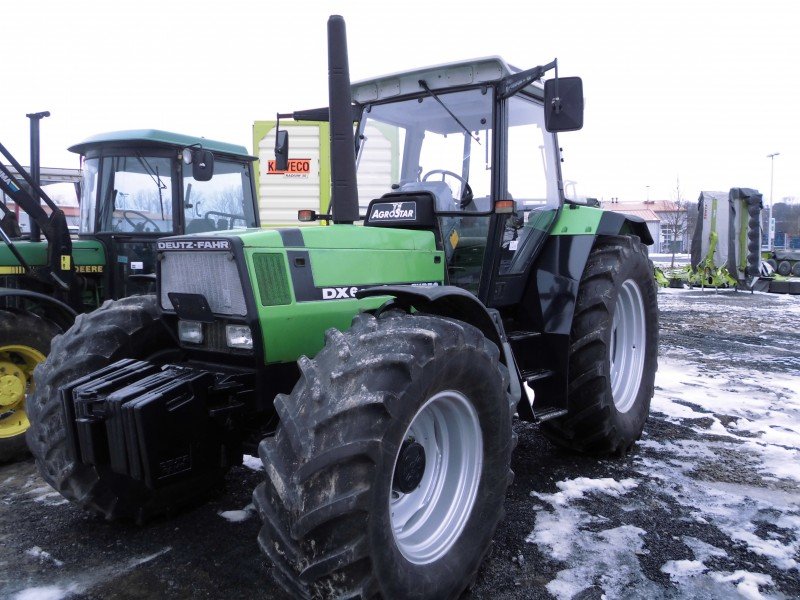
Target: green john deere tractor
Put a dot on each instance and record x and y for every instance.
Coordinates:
(374, 368)
(137, 187)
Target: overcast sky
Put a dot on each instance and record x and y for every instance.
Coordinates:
(693, 91)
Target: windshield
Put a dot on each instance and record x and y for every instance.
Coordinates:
(127, 194)
(442, 145)
(223, 202)
(134, 194)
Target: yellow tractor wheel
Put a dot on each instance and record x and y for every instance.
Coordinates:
(24, 343)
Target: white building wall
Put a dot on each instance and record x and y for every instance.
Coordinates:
(282, 195)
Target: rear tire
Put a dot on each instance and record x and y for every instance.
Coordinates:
(24, 343)
(613, 351)
(127, 328)
(336, 521)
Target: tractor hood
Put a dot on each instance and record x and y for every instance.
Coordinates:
(297, 274)
(334, 237)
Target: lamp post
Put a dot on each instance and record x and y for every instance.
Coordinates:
(770, 228)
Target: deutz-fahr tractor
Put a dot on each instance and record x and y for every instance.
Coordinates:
(375, 366)
(137, 187)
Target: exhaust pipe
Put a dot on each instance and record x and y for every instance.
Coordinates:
(344, 192)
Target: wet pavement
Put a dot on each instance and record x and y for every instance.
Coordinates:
(707, 505)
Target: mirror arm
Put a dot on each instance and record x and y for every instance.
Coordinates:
(281, 149)
(557, 106)
(278, 125)
(514, 83)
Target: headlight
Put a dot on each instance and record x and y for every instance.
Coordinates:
(239, 336)
(190, 331)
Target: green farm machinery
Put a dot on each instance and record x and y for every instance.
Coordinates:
(726, 248)
(375, 364)
(136, 187)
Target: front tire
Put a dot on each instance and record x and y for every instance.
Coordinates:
(388, 471)
(127, 328)
(613, 351)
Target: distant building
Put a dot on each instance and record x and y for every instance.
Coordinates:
(663, 217)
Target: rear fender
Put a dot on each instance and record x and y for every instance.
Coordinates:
(612, 223)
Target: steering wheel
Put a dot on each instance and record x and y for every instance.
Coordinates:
(145, 220)
(466, 191)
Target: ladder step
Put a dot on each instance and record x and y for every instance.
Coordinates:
(515, 336)
(538, 374)
(549, 413)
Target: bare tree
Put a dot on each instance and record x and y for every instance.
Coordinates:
(679, 222)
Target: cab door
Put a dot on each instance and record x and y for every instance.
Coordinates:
(137, 208)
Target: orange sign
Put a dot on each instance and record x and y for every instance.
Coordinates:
(297, 166)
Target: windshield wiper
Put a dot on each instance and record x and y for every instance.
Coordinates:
(153, 173)
(425, 87)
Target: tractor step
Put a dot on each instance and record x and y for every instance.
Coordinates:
(549, 413)
(537, 375)
(516, 336)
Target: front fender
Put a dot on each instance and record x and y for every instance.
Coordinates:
(444, 301)
(457, 303)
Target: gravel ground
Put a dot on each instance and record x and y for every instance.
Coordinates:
(707, 505)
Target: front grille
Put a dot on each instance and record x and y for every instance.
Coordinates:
(213, 274)
(273, 285)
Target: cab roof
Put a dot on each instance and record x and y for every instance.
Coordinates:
(467, 72)
(149, 137)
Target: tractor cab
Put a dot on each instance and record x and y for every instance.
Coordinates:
(470, 150)
(473, 158)
(139, 186)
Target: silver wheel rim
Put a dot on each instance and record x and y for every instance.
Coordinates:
(628, 337)
(427, 521)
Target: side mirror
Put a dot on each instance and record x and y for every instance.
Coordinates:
(563, 104)
(202, 164)
(281, 150)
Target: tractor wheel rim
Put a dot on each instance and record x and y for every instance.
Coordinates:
(428, 521)
(628, 337)
(16, 382)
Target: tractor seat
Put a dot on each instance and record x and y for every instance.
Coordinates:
(200, 225)
(440, 190)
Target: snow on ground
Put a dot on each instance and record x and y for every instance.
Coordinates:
(755, 418)
(252, 462)
(44, 556)
(34, 490)
(46, 592)
(729, 464)
(84, 582)
(237, 516)
(568, 534)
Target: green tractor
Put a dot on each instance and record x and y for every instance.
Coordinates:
(375, 367)
(137, 187)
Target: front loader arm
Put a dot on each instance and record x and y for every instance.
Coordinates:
(54, 225)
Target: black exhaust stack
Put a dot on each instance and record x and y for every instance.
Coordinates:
(344, 193)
